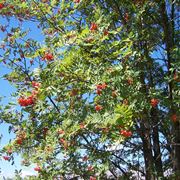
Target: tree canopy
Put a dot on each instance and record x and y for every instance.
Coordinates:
(99, 97)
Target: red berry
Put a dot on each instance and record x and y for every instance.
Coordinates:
(105, 130)
(154, 102)
(82, 126)
(176, 77)
(106, 32)
(19, 141)
(98, 107)
(34, 93)
(92, 178)
(126, 17)
(62, 141)
(77, 1)
(6, 158)
(103, 86)
(22, 101)
(9, 151)
(126, 133)
(35, 84)
(27, 101)
(85, 158)
(100, 87)
(48, 57)
(93, 27)
(90, 168)
(99, 91)
(174, 117)
(31, 62)
(1, 6)
(30, 100)
(38, 169)
(45, 130)
(130, 81)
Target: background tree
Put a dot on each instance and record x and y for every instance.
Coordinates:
(99, 98)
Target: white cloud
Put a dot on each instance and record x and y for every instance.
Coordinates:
(4, 174)
(24, 173)
(29, 172)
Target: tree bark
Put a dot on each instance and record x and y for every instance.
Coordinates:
(144, 123)
(168, 39)
(147, 149)
(155, 121)
(156, 145)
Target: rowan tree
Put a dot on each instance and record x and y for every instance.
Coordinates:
(99, 97)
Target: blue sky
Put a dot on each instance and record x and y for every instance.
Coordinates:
(5, 90)
(7, 170)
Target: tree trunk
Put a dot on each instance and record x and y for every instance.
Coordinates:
(147, 149)
(145, 134)
(177, 148)
(155, 121)
(169, 41)
(156, 145)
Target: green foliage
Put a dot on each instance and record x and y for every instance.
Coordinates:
(93, 84)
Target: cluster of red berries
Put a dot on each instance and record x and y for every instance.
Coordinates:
(45, 131)
(38, 169)
(35, 84)
(94, 27)
(154, 102)
(28, 101)
(6, 158)
(106, 32)
(174, 118)
(48, 56)
(85, 158)
(1, 6)
(126, 17)
(98, 107)
(82, 125)
(92, 178)
(100, 87)
(126, 133)
(76, 1)
(19, 140)
(9, 151)
(130, 81)
(64, 143)
(105, 130)
(31, 61)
